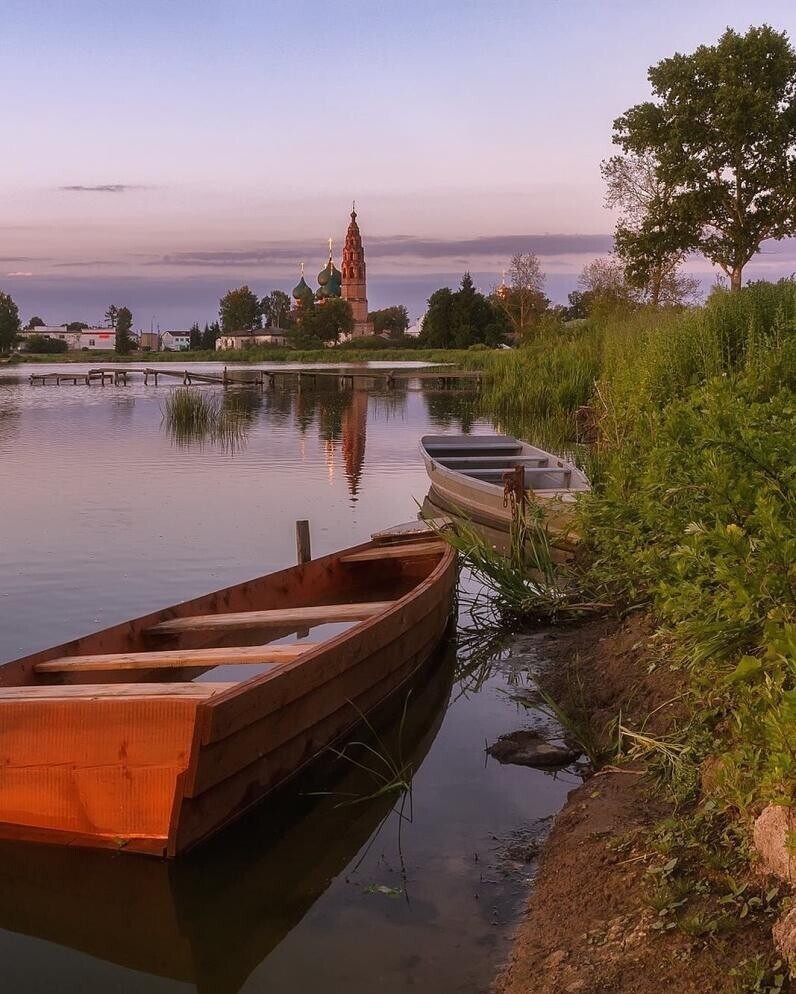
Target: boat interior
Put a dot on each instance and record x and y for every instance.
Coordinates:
(487, 458)
(206, 646)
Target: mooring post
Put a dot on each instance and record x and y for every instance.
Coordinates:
(303, 550)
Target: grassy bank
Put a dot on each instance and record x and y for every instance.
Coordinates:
(264, 355)
(693, 519)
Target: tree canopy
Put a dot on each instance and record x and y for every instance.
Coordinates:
(239, 310)
(327, 322)
(124, 327)
(44, 345)
(9, 322)
(458, 319)
(275, 309)
(522, 299)
(392, 321)
(111, 315)
(35, 322)
(721, 132)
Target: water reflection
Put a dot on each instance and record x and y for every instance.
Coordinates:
(212, 917)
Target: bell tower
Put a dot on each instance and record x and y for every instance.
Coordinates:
(354, 288)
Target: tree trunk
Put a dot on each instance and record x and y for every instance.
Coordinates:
(735, 277)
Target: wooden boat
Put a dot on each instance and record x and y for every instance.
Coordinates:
(151, 735)
(211, 918)
(467, 477)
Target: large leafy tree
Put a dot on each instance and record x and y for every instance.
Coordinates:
(124, 331)
(239, 310)
(722, 133)
(456, 320)
(276, 309)
(326, 322)
(9, 322)
(392, 321)
(634, 187)
(522, 299)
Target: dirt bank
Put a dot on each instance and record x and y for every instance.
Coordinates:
(593, 923)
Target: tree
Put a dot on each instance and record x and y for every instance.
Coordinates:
(523, 300)
(275, 309)
(124, 324)
(195, 334)
(326, 322)
(722, 135)
(210, 335)
(652, 266)
(457, 320)
(604, 287)
(44, 345)
(392, 321)
(111, 316)
(35, 322)
(239, 310)
(9, 322)
(76, 326)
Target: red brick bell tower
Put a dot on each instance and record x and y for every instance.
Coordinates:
(354, 288)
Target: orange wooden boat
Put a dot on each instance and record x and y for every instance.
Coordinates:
(151, 735)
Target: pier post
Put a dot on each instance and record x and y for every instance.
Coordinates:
(303, 548)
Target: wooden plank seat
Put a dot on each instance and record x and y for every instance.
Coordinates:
(438, 450)
(176, 658)
(415, 550)
(455, 461)
(320, 614)
(529, 472)
(92, 691)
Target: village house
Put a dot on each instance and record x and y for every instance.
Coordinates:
(175, 341)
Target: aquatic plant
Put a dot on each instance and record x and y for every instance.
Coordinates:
(193, 415)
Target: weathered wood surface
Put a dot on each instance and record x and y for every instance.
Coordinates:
(175, 658)
(103, 691)
(415, 550)
(316, 615)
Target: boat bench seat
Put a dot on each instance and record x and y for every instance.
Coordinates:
(529, 471)
(176, 658)
(316, 614)
(92, 691)
(417, 550)
(508, 461)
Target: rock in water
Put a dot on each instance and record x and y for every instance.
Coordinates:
(528, 748)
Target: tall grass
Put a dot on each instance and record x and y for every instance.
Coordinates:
(193, 415)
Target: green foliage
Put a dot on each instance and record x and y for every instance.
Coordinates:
(124, 324)
(239, 310)
(721, 132)
(35, 322)
(325, 322)
(392, 321)
(458, 319)
(275, 309)
(44, 345)
(9, 322)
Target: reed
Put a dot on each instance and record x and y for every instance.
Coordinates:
(192, 415)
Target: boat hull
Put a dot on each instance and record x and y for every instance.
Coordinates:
(159, 774)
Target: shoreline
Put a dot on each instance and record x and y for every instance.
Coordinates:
(594, 920)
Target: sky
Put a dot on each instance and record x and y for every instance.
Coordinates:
(157, 153)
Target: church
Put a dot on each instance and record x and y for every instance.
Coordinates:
(350, 283)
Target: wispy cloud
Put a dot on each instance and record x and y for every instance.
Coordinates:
(103, 188)
(19, 274)
(87, 263)
(404, 247)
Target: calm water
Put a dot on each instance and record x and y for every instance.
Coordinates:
(103, 516)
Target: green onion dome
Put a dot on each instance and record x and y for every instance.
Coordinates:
(301, 289)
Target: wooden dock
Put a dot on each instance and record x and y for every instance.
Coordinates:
(121, 376)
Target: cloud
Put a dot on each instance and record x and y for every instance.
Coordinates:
(103, 188)
(20, 258)
(81, 264)
(19, 274)
(403, 247)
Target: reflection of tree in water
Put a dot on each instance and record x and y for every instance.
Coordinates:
(9, 421)
(389, 403)
(451, 408)
(331, 405)
(304, 409)
(245, 405)
(278, 405)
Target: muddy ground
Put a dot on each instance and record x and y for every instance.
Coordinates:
(590, 925)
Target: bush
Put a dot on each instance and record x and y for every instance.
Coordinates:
(44, 345)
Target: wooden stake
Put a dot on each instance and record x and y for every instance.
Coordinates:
(303, 550)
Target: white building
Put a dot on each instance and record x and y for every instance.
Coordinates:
(175, 341)
(248, 339)
(97, 339)
(72, 338)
